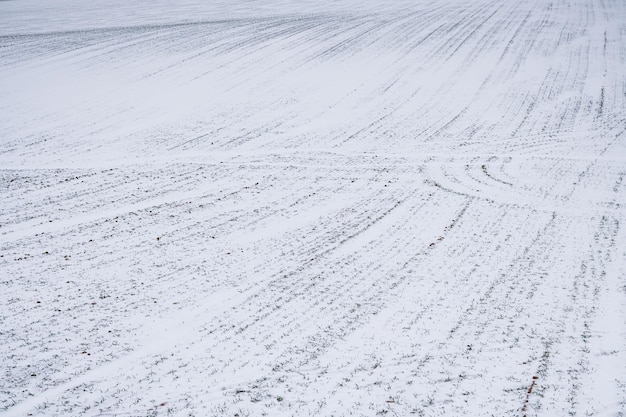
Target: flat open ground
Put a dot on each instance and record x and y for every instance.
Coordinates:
(280, 208)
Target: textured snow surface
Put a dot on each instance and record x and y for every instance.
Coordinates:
(313, 208)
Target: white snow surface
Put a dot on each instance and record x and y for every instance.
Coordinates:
(313, 208)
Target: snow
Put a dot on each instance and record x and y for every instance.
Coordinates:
(312, 208)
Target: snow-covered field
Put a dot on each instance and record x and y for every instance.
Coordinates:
(281, 208)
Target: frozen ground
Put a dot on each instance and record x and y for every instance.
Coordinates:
(323, 208)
